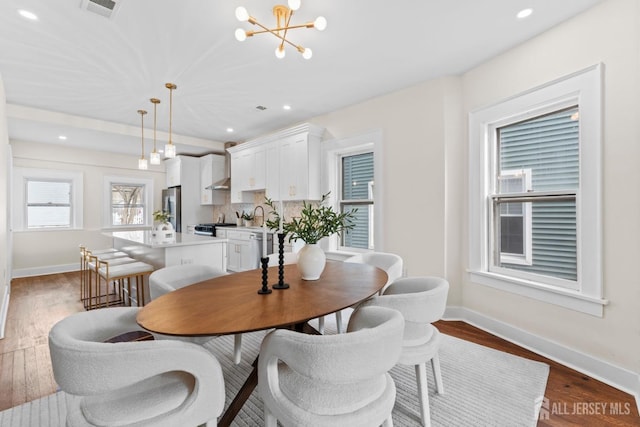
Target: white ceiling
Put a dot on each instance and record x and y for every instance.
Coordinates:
(75, 73)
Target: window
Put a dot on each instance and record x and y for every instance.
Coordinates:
(48, 204)
(127, 202)
(535, 193)
(46, 199)
(352, 166)
(357, 193)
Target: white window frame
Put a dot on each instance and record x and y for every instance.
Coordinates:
(332, 152)
(109, 180)
(584, 89)
(20, 177)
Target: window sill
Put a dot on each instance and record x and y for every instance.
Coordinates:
(562, 297)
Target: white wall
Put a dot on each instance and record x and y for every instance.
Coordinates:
(608, 33)
(5, 270)
(40, 252)
(415, 129)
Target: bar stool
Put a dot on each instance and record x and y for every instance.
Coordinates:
(85, 271)
(91, 295)
(123, 275)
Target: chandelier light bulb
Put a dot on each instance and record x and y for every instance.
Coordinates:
(294, 4)
(242, 14)
(320, 23)
(307, 53)
(241, 35)
(142, 164)
(280, 52)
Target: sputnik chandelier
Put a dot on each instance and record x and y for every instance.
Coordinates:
(283, 16)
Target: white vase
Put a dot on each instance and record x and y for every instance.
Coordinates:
(311, 261)
(163, 233)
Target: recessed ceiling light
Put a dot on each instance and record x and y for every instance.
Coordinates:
(62, 137)
(524, 13)
(287, 107)
(28, 15)
(229, 130)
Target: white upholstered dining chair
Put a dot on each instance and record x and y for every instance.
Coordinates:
(168, 279)
(390, 263)
(332, 380)
(159, 383)
(422, 301)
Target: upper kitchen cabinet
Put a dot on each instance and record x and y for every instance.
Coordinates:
(300, 179)
(180, 171)
(248, 169)
(211, 171)
(285, 164)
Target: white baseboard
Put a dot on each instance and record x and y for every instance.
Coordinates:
(620, 378)
(4, 310)
(41, 271)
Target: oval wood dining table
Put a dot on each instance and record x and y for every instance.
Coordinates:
(231, 304)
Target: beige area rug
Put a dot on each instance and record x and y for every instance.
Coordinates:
(483, 387)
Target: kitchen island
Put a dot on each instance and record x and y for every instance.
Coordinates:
(184, 249)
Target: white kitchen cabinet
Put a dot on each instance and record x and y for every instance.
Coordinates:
(239, 257)
(300, 180)
(173, 168)
(211, 171)
(248, 168)
(285, 164)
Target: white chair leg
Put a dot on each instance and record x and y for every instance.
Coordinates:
(339, 321)
(237, 348)
(437, 374)
(388, 422)
(423, 394)
(321, 325)
(269, 419)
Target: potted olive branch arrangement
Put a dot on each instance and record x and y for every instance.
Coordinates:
(316, 220)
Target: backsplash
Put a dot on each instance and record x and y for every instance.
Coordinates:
(291, 209)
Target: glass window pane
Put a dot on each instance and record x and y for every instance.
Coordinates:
(553, 230)
(48, 216)
(361, 236)
(548, 145)
(127, 204)
(357, 177)
(48, 192)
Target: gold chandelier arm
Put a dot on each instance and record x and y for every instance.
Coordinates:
(286, 28)
(267, 30)
(291, 27)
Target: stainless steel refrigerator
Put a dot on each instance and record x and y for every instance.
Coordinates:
(171, 202)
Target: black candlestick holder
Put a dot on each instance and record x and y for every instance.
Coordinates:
(280, 284)
(265, 287)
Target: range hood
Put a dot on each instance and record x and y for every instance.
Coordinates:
(224, 183)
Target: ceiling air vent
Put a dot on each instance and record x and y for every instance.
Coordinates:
(106, 8)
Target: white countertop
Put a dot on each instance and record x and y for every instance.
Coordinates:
(143, 237)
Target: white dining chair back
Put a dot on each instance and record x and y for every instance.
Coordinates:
(168, 279)
(144, 383)
(391, 264)
(321, 380)
(422, 301)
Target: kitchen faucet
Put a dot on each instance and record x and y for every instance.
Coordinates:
(254, 214)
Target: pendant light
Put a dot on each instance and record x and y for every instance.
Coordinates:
(169, 148)
(154, 157)
(142, 162)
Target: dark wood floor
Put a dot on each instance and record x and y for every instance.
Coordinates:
(37, 303)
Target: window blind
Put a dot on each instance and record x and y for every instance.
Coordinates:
(549, 146)
(357, 193)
